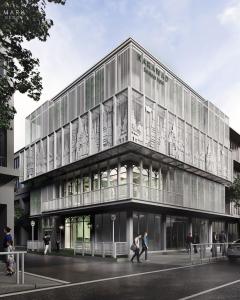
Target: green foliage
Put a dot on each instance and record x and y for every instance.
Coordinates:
(20, 21)
(21, 218)
(19, 213)
(234, 191)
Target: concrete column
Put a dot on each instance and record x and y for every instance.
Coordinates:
(163, 233)
(210, 231)
(226, 229)
(129, 230)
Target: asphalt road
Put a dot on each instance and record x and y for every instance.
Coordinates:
(93, 278)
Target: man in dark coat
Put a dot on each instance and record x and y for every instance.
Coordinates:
(144, 245)
(195, 241)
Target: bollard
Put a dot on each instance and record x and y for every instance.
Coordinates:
(22, 268)
(17, 268)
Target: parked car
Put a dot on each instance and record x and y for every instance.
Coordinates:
(233, 250)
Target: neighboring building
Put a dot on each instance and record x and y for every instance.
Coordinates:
(22, 227)
(235, 147)
(128, 138)
(7, 176)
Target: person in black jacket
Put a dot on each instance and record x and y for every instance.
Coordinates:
(144, 245)
(222, 240)
(196, 240)
(46, 241)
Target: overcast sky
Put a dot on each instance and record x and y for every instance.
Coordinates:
(199, 40)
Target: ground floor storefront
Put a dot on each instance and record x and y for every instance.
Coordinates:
(166, 230)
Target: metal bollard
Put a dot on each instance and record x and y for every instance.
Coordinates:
(17, 268)
(22, 268)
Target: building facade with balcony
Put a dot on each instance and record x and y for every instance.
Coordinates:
(131, 139)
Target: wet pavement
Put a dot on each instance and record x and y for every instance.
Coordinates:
(97, 278)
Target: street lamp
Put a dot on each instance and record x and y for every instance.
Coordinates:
(113, 218)
(32, 224)
(61, 227)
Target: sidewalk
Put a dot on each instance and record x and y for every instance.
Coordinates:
(8, 283)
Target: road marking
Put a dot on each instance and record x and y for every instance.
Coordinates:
(48, 278)
(97, 280)
(210, 290)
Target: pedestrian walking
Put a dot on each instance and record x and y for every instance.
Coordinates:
(7, 247)
(214, 245)
(46, 241)
(136, 248)
(144, 245)
(189, 240)
(195, 240)
(10, 262)
(222, 241)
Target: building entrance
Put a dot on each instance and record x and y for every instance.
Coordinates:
(176, 232)
(77, 229)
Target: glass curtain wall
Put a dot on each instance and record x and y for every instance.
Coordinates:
(77, 229)
(150, 223)
(176, 227)
(103, 227)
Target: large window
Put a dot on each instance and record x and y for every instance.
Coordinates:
(86, 184)
(44, 155)
(170, 94)
(194, 115)
(180, 139)
(150, 124)
(57, 113)
(59, 148)
(66, 145)
(83, 140)
(137, 117)
(80, 99)
(72, 99)
(136, 181)
(107, 124)
(99, 86)
(179, 99)
(35, 202)
(188, 154)
(75, 139)
(161, 134)
(122, 117)
(136, 70)
(95, 131)
(104, 179)
(149, 85)
(123, 175)
(51, 152)
(89, 98)
(113, 177)
(110, 79)
(123, 69)
(187, 107)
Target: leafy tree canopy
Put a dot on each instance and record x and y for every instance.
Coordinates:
(234, 191)
(20, 20)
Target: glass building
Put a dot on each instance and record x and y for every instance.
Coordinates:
(129, 138)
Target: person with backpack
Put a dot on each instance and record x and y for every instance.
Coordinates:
(136, 248)
(46, 241)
